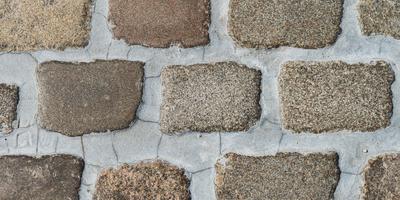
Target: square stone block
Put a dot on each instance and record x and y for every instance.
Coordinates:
(8, 106)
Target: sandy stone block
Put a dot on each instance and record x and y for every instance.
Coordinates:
(333, 96)
(160, 24)
(270, 24)
(284, 176)
(44, 24)
(49, 177)
(80, 98)
(8, 106)
(155, 180)
(210, 98)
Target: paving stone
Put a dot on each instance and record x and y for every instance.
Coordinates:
(8, 107)
(157, 23)
(45, 178)
(43, 24)
(380, 17)
(382, 178)
(210, 97)
(156, 180)
(333, 96)
(270, 24)
(284, 176)
(79, 98)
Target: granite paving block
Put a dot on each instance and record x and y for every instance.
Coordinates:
(80, 98)
(153, 180)
(332, 96)
(44, 24)
(270, 24)
(157, 23)
(283, 176)
(8, 106)
(210, 98)
(380, 17)
(382, 178)
(55, 177)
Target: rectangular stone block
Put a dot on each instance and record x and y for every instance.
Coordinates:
(48, 177)
(284, 176)
(270, 24)
(156, 23)
(155, 180)
(333, 96)
(44, 24)
(79, 98)
(8, 107)
(210, 98)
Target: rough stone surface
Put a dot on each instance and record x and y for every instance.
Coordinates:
(210, 97)
(382, 178)
(45, 178)
(155, 180)
(8, 107)
(380, 17)
(43, 24)
(331, 96)
(284, 176)
(79, 98)
(270, 24)
(157, 23)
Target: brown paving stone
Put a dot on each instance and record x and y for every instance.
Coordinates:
(8, 107)
(284, 176)
(43, 24)
(79, 98)
(382, 178)
(44, 178)
(380, 17)
(332, 96)
(156, 23)
(270, 24)
(210, 97)
(155, 180)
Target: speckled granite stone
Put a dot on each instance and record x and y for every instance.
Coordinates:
(8, 107)
(156, 180)
(333, 96)
(210, 97)
(382, 178)
(270, 24)
(56, 177)
(80, 98)
(284, 176)
(380, 17)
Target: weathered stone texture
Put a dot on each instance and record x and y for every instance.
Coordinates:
(44, 178)
(332, 96)
(382, 178)
(270, 24)
(157, 23)
(79, 98)
(8, 107)
(284, 176)
(380, 17)
(43, 24)
(155, 180)
(210, 97)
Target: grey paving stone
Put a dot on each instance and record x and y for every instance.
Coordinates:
(332, 96)
(270, 24)
(284, 176)
(382, 178)
(161, 23)
(380, 17)
(8, 106)
(80, 98)
(155, 180)
(45, 178)
(210, 97)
